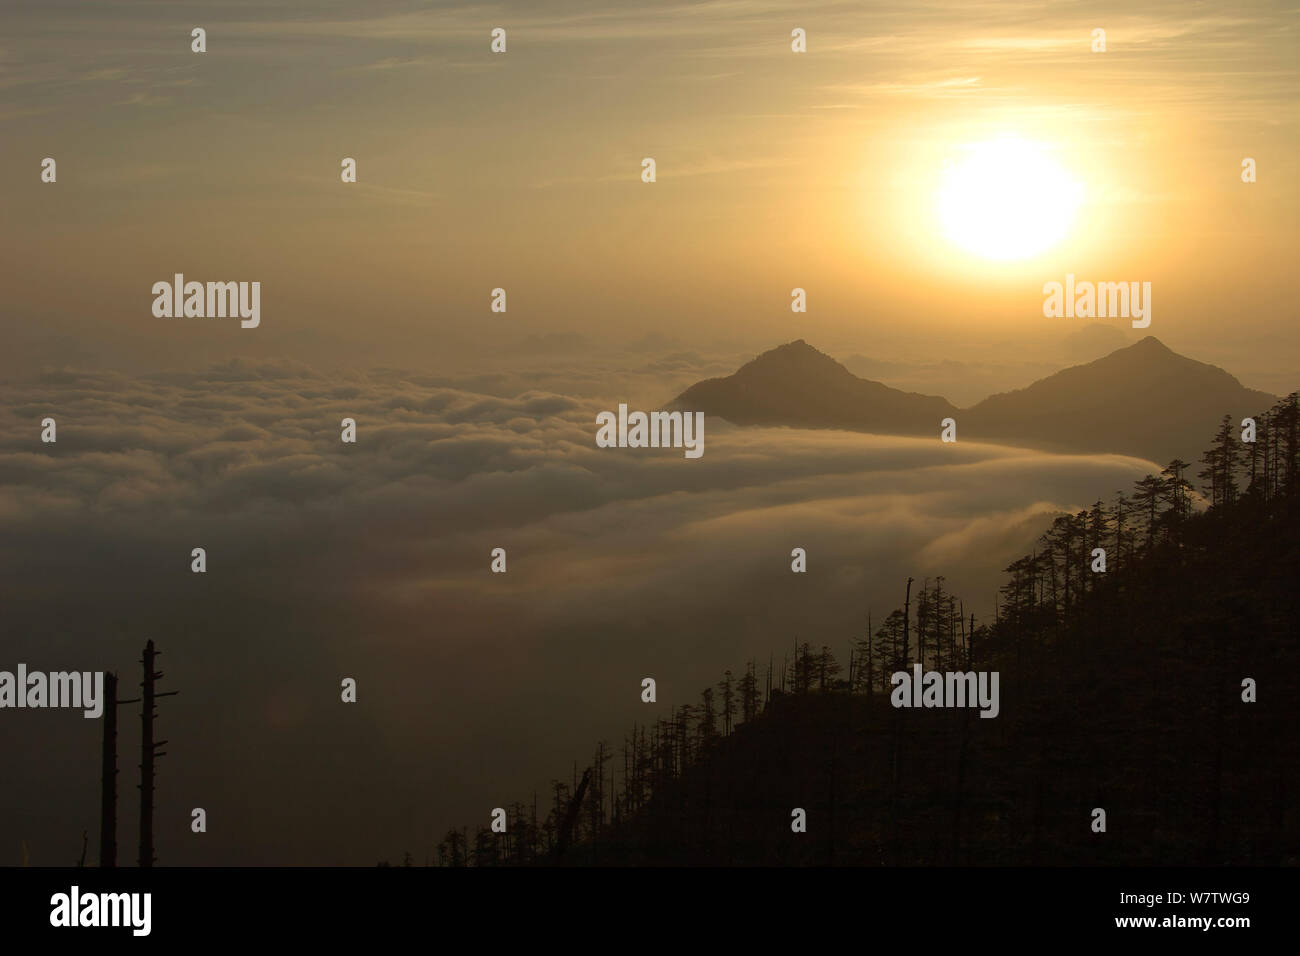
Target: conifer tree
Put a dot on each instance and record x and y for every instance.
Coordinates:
(726, 693)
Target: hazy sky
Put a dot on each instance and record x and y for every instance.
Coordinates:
(776, 170)
(522, 171)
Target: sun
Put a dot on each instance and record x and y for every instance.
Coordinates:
(1007, 199)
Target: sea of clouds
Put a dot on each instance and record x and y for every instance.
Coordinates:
(371, 561)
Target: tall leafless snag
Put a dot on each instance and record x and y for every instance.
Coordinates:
(148, 751)
(570, 819)
(108, 774)
(907, 604)
(596, 802)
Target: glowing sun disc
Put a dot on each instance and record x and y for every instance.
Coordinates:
(1007, 199)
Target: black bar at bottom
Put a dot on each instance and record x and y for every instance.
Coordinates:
(875, 905)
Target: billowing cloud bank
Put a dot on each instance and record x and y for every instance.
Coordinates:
(371, 561)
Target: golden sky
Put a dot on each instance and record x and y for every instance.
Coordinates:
(824, 170)
(522, 170)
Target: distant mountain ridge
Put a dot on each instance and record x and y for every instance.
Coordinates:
(795, 384)
(1144, 400)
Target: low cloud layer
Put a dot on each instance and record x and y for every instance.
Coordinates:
(371, 561)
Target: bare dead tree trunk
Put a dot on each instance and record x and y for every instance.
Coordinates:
(907, 611)
(108, 777)
(148, 752)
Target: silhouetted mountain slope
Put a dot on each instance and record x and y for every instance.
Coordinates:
(1133, 705)
(1161, 687)
(797, 385)
(1143, 400)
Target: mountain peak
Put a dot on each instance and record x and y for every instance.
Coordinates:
(1144, 399)
(1091, 407)
(1151, 345)
(796, 384)
(797, 347)
(797, 359)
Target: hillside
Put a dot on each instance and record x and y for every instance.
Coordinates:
(1132, 704)
(1164, 690)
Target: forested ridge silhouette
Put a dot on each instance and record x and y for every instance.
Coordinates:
(1120, 690)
